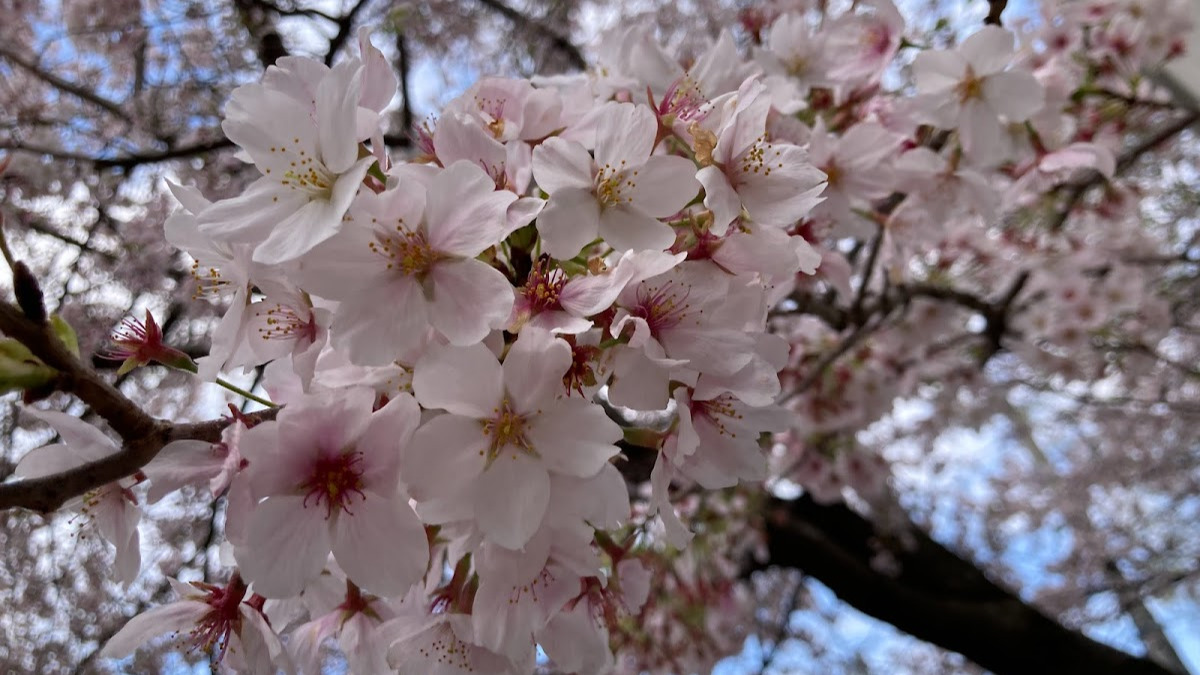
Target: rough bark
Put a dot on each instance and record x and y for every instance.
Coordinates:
(910, 581)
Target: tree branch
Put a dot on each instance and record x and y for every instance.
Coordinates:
(345, 24)
(126, 161)
(71, 88)
(143, 435)
(1075, 190)
(920, 587)
(557, 40)
(995, 10)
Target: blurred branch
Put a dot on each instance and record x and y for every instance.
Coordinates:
(255, 15)
(126, 161)
(523, 21)
(345, 25)
(1154, 638)
(403, 66)
(995, 9)
(1076, 189)
(78, 91)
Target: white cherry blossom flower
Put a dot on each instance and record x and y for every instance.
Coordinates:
(407, 261)
(969, 89)
(619, 195)
(212, 617)
(311, 168)
(112, 507)
(742, 170)
(506, 429)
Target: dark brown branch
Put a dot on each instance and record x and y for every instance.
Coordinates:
(180, 152)
(126, 161)
(1075, 190)
(143, 435)
(920, 587)
(345, 25)
(78, 91)
(256, 17)
(403, 66)
(556, 40)
(995, 10)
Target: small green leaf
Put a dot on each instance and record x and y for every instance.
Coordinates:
(65, 333)
(20, 369)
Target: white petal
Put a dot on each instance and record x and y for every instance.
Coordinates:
(787, 193)
(176, 617)
(723, 352)
(128, 562)
(250, 216)
(297, 234)
(534, 367)
(627, 229)
(464, 213)
(938, 71)
(371, 337)
(570, 221)
(47, 461)
(576, 642)
(181, 463)
(561, 165)
(982, 135)
(640, 383)
(511, 499)
(677, 533)
(287, 545)
(664, 185)
(466, 381)
(1016, 95)
(575, 437)
(720, 198)
(459, 137)
(1080, 155)
(470, 298)
(381, 545)
(337, 108)
(389, 431)
(85, 440)
(446, 453)
(588, 295)
(988, 51)
(624, 135)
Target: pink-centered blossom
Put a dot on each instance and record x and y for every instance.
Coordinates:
(328, 474)
(742, 170)
(211, 617)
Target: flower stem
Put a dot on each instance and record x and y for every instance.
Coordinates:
(242, 392)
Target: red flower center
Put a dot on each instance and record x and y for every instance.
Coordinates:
(334, 481)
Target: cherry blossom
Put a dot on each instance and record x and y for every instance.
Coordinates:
(112, 507)
(414, 249)
(619, 194)
(328, 479)
(969, 89)
(311, 168)
(741, 169)
(507, 427)
(213, 617)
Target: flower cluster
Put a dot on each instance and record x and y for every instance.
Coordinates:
(467, 345)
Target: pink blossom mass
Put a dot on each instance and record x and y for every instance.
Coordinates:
(600, 371)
